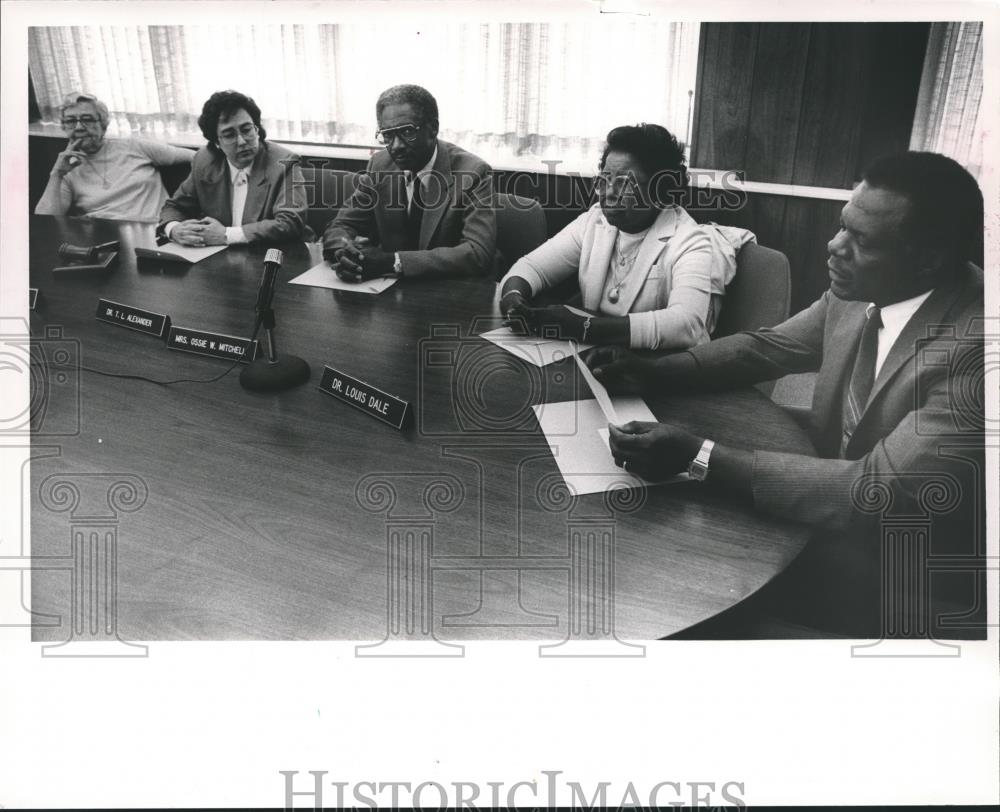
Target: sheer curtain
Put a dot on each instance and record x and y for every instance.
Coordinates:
(547, 91)
(949, 118)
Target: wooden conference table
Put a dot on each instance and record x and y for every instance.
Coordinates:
(201, 511)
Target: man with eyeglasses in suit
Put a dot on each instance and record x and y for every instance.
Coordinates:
(112, 178)
(423, 207)
(241, 189)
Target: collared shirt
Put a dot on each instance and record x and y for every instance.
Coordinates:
(240, 178)
(421, 174)
(894, 319)
(234, 233)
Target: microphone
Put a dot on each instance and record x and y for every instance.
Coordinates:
(274, 373)
(265, 294)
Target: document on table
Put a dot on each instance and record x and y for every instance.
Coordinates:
(323, 276)
(534, 349)
(577, 434)
(175, 252)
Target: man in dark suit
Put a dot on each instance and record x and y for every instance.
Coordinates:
(422, 207)
(241, 188)
(897, 342)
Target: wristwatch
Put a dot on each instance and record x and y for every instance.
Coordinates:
(397, 267)
(698, 469)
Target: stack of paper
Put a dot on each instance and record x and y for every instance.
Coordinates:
(323, 276)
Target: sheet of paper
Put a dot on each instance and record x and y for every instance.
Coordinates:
(323, 276)
(189, 253)
(533, 349)
(597, 388)
(577, 434)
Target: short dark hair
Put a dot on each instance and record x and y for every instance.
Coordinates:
(224, 104)
(424, 103)
(946, 203)
(659, 154)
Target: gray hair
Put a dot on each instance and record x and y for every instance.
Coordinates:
(76, 97)
(414, 95)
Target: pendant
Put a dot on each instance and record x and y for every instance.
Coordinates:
(613, 295)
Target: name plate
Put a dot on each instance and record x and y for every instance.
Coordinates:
(32, 298)
(365, 397)
(217, 345)
(155, 324)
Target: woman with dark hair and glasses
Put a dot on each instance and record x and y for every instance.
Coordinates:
(650, 277)
(106, 177)
(241, 188)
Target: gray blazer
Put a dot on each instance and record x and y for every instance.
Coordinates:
(928, 397)
(458, 229)
(275, 208)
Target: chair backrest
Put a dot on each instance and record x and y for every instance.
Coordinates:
(174, 175)
(520, 228)
(760, 293)
(327, 190)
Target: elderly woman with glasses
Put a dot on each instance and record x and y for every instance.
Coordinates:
(650, 277)
(241, 188)
(106, 177)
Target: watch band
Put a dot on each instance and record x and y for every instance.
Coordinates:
(698, 469)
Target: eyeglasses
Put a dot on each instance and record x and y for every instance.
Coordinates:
(248, 131)
(618, 184)
(70, 122)
(408, 132)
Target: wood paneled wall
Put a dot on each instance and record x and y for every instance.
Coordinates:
(807, 104)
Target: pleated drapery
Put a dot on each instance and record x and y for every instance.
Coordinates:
(545, 90)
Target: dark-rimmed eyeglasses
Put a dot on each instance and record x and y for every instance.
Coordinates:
(408, 132)
(70, 122)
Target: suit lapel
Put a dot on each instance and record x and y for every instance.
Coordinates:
(839, 353)
(217, 180)
(596, 273)
(391, 218)
(932, 311)
(256, 202)
(437, 191)
(653, 244)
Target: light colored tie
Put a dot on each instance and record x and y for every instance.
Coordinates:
(239, 196)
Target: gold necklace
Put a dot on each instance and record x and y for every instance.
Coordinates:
(623, 264)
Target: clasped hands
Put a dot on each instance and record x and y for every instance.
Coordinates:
(355, 260)
(198, 233)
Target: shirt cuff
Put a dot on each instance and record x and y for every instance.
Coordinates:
(234, 234)
(169, 227)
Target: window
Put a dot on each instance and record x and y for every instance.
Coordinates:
(507, 91)
(949, 115)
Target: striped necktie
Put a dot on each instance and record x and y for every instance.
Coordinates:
(862, 377)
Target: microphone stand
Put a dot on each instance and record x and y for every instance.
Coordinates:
(275, 373)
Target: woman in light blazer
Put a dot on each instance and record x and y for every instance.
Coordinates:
(650, 277)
